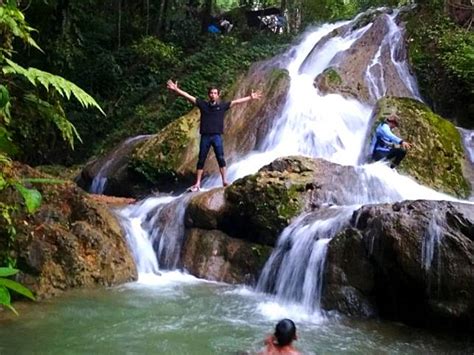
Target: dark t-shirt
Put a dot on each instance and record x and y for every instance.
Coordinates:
(212, 116)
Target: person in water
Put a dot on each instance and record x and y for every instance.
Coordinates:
(384, 141)
(280, 343)
(211, 126)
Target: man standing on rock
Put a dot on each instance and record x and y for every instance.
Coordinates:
(384, 141)
(211, 126)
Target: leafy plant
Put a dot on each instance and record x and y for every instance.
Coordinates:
(7, 285)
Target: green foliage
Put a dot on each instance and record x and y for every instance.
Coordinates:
(442, 55)
(12, 22)
(49, 81)
(7, 285)
(456, 52)
(156, 54)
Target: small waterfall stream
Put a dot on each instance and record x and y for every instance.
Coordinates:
(327, 126)
(99, 182)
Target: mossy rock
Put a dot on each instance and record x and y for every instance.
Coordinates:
(331, 82)
(369, 16)
(171, 152)
(436, 158)
(262, 205)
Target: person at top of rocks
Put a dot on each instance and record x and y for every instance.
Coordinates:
(211, 126)
(383, 145)
(280, 343)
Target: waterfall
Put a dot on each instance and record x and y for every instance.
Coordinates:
(468, 140)
(294, 270)
(431, 242)
(310, 124)
(155, 232)
(430, 251)
(112, 162)
(376, 73)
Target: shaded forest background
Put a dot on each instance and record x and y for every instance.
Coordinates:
(123, 51)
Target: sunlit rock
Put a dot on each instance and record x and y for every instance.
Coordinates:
(375, 64)
(71, 241)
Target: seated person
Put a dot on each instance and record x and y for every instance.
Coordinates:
(280, 343)
(384, 141)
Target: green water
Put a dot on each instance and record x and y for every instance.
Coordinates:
(176, 316)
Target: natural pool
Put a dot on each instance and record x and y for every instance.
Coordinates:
(178, 314)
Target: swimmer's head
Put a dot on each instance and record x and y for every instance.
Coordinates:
(285, 332)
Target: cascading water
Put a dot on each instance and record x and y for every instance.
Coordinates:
(100, 179)
(431, 242)
(155, 232)
(294, 270)
(327, 126)
(376, 73)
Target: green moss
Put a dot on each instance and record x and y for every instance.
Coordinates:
(267, 202)
(333, 76)
(161, 157)
(437, 155)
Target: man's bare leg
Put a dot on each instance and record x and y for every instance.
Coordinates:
(223, 173)
(197, 185)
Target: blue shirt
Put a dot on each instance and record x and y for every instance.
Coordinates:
(383, 139)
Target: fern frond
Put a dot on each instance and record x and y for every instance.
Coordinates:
(55, 114)
(64, 87)
(14, 20)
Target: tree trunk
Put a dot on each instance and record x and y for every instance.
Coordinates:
(161, 15)
(119, 24)
(294, 15)
(147, 26)
(206, 14)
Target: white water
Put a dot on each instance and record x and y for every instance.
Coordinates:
(100, 180)
(393, 42)
(431, 242)
(468, 140)
(330, 127)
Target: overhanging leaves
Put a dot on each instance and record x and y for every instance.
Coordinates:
(41, 78)
(17, 287)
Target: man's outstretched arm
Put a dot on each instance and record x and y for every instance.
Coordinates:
(255, 95)
(173, 86)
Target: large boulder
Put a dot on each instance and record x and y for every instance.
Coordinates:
(110, 174)
(71, 241)
(411, 261)
(350, 71)
(172, 153)
(437, 156)
(258, 207)
(213, 255)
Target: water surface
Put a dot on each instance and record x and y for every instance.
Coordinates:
(178, 314)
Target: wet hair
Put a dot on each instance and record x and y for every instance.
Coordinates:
(212, 87)
(285, 332)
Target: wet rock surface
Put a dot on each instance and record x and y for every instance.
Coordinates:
(213, 255)
(349, 71)
(411, 261)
